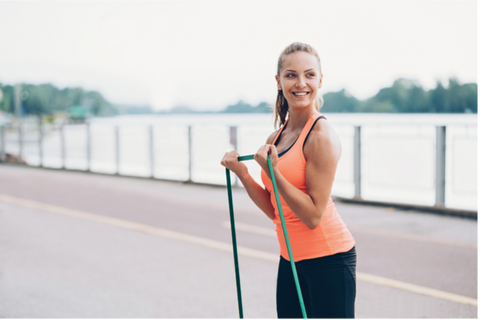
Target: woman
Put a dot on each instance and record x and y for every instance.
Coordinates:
(304, 153)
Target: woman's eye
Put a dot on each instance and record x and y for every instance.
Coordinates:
(290, 75)
(311, 74)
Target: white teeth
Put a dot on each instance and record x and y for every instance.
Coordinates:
(300, 93)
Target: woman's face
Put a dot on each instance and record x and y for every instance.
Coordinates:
(300, 79)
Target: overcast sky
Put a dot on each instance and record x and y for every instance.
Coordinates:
(208, 54)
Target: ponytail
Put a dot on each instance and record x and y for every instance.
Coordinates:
(281, 109)
(319, 103)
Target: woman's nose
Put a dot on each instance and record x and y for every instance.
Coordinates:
(300, 83)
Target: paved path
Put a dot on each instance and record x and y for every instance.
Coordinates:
(83, 245)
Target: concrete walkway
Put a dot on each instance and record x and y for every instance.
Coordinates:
(75, 245)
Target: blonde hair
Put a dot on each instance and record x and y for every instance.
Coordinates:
(281, 106)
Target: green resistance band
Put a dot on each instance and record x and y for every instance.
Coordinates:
(234, 239)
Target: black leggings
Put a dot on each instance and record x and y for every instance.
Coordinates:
(328, 287)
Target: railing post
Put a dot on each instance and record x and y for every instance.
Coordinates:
(18, 100)
(117, 149)
(234, 143)
(189, 154)
(440, 166)
(152, 150)
(18, 114)
(20, 141)
(2, 141)
(62, 144)
(89, 148)
(357, 165)
(40, 141)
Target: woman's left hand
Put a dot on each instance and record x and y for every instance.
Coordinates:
(262, 155)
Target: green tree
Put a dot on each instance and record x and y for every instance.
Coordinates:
(438, 98)
(461, 97)
(37, 99)
(471, 97)
(7, 102)
(417, 100)
(340, 101)
(373, 105)
(239, 107)
(262, 107)
(47, 99)
(397, 95)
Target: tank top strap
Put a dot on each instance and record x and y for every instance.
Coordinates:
(308, 127)
(279, 132)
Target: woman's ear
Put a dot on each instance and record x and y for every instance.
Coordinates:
(279, 86)
(320, 81)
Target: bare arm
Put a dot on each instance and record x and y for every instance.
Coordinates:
(322, 152)
(259, 195)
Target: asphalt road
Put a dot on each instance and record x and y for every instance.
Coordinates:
(66, 260)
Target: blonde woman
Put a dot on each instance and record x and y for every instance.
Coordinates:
(304, 152)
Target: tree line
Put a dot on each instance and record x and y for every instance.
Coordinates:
(407, 96)
(404, 96)
(46, 99)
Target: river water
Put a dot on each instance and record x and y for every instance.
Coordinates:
(397, 159)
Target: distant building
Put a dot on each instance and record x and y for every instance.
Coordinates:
(78, 114)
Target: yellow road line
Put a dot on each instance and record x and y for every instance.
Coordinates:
(416, 289)
(137, 227)
(225, 246)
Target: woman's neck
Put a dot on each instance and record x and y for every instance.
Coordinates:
(298, 118)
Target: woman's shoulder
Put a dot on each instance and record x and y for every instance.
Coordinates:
(322, 138)
(272, 136)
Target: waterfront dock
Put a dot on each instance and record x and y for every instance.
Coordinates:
(81, 245)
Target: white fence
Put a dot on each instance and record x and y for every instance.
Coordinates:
(418, 164)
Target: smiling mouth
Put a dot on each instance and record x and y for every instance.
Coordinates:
(300, 94)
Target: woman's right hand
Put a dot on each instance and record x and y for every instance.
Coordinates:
(265, 151)
(230, 161)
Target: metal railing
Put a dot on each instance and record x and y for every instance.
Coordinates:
(439, 165)
(440, 162)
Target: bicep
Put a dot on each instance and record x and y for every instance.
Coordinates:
(321, 167)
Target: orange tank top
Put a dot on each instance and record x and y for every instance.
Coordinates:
(331, 235)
